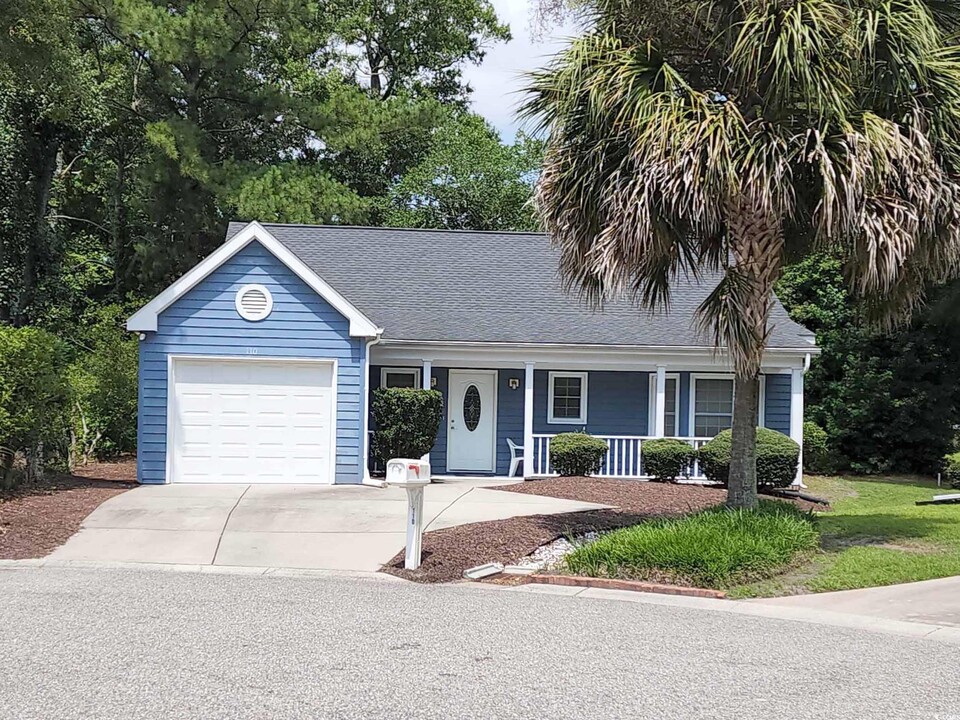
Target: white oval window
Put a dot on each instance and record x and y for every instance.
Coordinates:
(254, 302)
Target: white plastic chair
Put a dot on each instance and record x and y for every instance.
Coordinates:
(516, 456)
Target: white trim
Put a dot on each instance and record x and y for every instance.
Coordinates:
(553, 357)
(693, 396)
(145, 319)
(528, 419)
(796, 417)
(652, 405)
(400, 371)
(365, 420)
(663, 349)
(450, 400)
(427, 374)
(246, 314)
(580, 419)
(171, 397)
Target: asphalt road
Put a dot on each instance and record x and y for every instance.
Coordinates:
(96, 643)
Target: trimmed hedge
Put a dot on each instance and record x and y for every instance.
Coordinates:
(666, 459)
(816, 453)
(407, 421)
(777, 458)
(575, 454)
(952, 469)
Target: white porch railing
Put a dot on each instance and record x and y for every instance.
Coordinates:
(624, 458)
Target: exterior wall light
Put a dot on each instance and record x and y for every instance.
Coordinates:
(514, 383)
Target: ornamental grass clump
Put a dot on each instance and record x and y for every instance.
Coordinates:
(715, 548)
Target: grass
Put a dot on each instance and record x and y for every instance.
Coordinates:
(714, 548)
(875, 535)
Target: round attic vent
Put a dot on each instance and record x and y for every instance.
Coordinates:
(254, 302)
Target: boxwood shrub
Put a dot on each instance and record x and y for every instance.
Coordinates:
(574, 454)
(407, 421)
(952, 469)
(666, 459)
(777, 458)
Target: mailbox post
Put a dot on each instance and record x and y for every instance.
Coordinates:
(412, 475)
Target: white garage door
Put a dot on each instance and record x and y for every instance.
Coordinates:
(252, 421)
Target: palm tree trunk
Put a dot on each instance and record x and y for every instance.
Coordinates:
(742, 485)
(756, 240)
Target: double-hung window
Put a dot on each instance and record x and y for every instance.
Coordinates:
(400, 377)
(567, 401)
(671, 406)
(712, 405)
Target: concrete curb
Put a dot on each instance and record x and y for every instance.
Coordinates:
(630, 585)
(923, 631)
(202, 569)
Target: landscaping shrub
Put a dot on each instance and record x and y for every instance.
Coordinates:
(713, 548)
(407, 421)
(815, 451)
(777, 458)
(574, 454)
(103, 384)
(34, 400)
(952, 470)
(666, 459)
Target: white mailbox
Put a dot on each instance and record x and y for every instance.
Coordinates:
(404, 472)
(412, 475)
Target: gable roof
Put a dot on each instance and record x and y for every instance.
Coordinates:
(497, 287)
(145, 319)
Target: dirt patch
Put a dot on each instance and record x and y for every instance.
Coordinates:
(36, 519)
(448, 552)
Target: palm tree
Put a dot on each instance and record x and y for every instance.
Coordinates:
(687, 136)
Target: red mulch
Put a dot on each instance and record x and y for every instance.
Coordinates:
(36, 519)
(448, 552)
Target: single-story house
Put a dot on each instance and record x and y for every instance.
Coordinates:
(257, 365)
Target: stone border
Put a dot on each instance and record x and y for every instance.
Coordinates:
(635, 586)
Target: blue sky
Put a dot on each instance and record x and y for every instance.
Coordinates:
(496, 82)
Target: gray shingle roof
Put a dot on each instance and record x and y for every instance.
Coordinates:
(461, 286)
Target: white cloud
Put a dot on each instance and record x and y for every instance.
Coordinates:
(498, 79)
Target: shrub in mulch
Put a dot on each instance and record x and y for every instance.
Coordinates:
(448, 552)
(37, 518)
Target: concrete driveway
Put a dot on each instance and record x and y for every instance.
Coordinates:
(284, 526)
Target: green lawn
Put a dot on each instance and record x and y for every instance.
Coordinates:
(875, 535)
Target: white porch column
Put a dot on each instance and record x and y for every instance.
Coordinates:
(528, 420)
(426, 374)
(796, 417)
(660, 405)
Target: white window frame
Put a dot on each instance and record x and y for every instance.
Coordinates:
(582, 418)
(652, 410)
(762, 400)
(401, 371)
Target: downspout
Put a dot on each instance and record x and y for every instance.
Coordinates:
(367, 480)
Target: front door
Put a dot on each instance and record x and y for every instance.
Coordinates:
(472, 421)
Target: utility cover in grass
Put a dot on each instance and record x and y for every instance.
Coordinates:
(714, 548)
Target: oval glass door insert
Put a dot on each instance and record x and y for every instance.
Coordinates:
(471, 408)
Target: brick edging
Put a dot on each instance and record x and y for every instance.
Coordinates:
(634, 585)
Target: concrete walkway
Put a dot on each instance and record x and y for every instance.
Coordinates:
(284, 526)
(935, 602)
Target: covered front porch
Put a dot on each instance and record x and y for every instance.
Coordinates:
(501, 414)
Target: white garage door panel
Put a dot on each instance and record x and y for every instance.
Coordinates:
(252, 421)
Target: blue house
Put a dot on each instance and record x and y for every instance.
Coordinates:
(257, 365)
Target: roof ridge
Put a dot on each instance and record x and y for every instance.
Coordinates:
(396, 229)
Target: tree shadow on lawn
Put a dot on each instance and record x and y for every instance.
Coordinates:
(839, 531)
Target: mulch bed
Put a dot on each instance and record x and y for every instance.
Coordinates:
(36, 519)
(448, 552)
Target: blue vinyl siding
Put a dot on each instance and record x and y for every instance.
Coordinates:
(776, 407)
(617, 403)
(205, 322)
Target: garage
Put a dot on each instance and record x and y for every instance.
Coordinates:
(248, 420)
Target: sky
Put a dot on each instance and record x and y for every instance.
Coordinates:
(496, 81)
